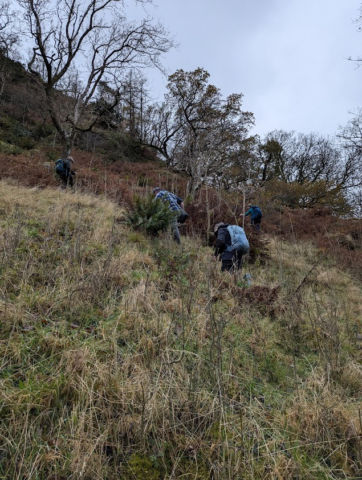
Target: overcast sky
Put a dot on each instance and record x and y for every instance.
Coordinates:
(287, 57)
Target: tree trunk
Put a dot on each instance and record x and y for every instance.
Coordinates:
(192, 186)
(67, 148)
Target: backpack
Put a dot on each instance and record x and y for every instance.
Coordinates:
(257, 215)
(239, 241)
(183, 217)
(60, 167)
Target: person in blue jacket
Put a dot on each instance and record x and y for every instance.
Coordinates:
(255, 216)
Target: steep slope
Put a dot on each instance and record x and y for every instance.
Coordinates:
(129, 357)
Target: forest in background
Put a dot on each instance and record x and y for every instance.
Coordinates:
(85, 65)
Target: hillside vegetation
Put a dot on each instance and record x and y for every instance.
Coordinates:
(124, 356)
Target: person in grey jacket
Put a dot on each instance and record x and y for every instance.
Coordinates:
(176, 204)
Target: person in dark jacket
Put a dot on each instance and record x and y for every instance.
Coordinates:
(230, 260)
(67, 175)
(255, 216)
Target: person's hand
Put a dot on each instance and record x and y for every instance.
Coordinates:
(241, 215)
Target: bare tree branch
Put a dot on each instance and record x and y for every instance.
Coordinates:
(94, 38)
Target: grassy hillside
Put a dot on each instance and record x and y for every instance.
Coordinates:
(129, 357)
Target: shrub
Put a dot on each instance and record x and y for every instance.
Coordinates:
(149, 214)
(42, 130)
(9, 149)
(307, 195)
(26, 143)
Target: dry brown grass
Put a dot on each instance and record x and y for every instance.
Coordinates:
(139, 359)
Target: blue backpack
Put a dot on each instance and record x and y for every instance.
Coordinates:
(239, 241)
(59, 167)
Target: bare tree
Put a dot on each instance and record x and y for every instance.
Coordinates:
(358, 22)
(351, 134)
(309, 169)
(9, 37)
(308, 158)
(133, 103)
(163, 131)
(77, 45)
(9, 40)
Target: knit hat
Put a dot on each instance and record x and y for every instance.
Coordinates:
(218, 225)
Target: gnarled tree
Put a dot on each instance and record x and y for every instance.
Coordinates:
(196, 130)
(9, 37)
(76, 46)
(9, 40)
